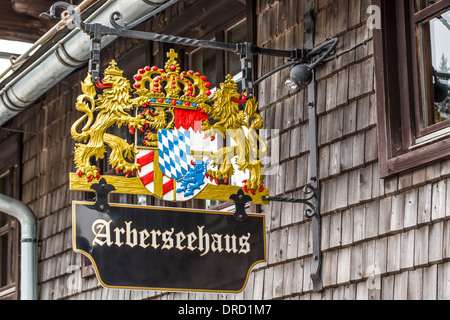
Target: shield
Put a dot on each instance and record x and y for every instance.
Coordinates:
(174, 149)
(176, 170)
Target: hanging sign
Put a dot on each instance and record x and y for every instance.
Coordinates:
(189, 143)
(161, 248)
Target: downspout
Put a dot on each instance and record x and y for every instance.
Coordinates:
(28, 264)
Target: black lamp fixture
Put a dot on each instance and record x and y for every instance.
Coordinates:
(301, 74)
(300, 77)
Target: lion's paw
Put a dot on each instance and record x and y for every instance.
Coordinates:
(91, 172)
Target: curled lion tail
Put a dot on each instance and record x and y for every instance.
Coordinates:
(89, 93)
(89, 113)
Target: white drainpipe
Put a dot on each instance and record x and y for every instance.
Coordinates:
(28, 264)
(48, 70)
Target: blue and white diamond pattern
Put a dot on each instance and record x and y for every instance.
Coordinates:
(174, 152)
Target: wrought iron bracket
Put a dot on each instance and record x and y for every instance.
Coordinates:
(314, 151)
(309, 201)
(312, 189)
(245, 50)
(102, 189)
(240, 201)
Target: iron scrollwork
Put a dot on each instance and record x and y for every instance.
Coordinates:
(308, 190)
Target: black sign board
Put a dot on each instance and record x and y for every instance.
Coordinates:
(173, 249)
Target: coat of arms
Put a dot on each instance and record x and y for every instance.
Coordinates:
(189, 142)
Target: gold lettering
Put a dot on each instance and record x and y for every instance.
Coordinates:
(216, 244)
(203, 241)
(191, 237)
(243, 242)
(118, 232)
(180, 238)
(200, 240)
(143, 235)
(154, 234)
(130, 233)
(230, 243)
(167, 238)
(100, 228)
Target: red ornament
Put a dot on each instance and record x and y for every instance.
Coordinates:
(154, 68)
(141, 71)
(137, 85)
(147, 68)
(203, 78)
(207, 85)
(173, 67)
(137, 77)
(208, 93)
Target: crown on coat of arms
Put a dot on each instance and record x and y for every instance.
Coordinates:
(112, 69)
(170, 87)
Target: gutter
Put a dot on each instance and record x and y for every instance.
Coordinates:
(28, 263)
(68, 54)
(16, 63)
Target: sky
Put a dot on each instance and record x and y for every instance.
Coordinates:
(15, 47)
(441, 41)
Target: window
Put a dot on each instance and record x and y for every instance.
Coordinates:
(433, 31)
(412, 73)
(9, 226)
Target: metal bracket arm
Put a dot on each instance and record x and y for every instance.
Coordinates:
(246, 50)
(309, 212)
(313, 202)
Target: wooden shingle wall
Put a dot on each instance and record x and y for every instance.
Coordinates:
(381, 238)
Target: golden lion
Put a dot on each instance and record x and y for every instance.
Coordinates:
(157, 118)
(231, 121)
(109, 108)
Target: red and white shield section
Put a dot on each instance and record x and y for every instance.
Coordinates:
(152, 177)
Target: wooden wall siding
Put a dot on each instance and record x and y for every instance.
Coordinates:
(396, 228)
